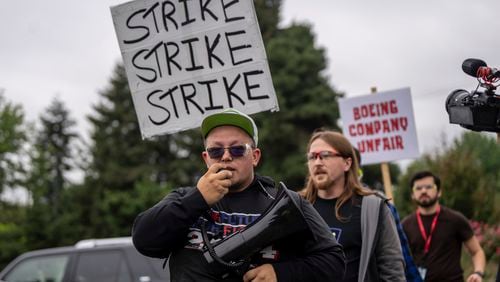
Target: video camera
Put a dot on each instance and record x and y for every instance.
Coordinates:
(476, 110)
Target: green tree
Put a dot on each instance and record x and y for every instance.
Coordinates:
(372, 175)
(12, 239)
(121, 161)
(12, 140)
(50, 161)
(268, 15)
(470, 179)
(306, 100)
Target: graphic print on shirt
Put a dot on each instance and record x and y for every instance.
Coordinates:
(221, 225)
(336, 233)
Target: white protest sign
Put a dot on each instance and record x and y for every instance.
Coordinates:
(381, 126)
(188, 59)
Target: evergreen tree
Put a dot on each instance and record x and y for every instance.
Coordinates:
(50, 160)
(12, 239)
(268, 15)
(372, 176)
(12, 140)
(121, 162)
(306, 101)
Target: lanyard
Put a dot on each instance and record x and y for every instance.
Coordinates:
(426, 238)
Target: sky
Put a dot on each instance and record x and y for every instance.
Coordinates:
(68, 49)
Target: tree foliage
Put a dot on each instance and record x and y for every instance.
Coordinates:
(268, 14)
(372, 176)
(121, 161)
(12, 139)
(51, 159)
(12, 236)
(306, 101)
(12, 216)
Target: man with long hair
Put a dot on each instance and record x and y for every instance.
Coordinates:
(358, 218)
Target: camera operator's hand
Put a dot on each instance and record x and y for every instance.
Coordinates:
(264, 273)
(214, 184)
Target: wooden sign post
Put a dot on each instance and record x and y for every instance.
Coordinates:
(386, 173)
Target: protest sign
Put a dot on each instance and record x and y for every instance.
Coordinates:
(188, 59)
(381, 126)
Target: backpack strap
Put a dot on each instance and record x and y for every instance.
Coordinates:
(370, 211)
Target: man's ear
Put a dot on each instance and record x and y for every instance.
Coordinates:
(205, 157)
(348, 163)
(256, 154)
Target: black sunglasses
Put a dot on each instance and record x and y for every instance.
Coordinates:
(235, 151)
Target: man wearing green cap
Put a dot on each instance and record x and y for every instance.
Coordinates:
(226, 198)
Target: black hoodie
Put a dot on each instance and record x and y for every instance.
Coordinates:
(172, 228)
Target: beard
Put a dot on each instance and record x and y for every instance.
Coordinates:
(322, 182)
(427, 202)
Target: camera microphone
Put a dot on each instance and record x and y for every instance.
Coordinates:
(478, 68)
(476, 110)
(471, 66)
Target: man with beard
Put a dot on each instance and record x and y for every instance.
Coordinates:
(436, 234)
(359, 219)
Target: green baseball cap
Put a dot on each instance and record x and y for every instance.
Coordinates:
(232, 117)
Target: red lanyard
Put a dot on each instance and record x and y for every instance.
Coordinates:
(426, 238)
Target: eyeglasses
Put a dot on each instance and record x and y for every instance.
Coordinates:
(236, 151)
(426, 187)
(312, 156)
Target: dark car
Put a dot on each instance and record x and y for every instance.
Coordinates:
(93, 260)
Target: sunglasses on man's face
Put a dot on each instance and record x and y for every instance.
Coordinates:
(236, 151)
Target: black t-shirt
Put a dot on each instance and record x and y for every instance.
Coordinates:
(347, 231)
(443, 259)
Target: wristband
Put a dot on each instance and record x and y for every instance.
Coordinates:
(480, 273)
